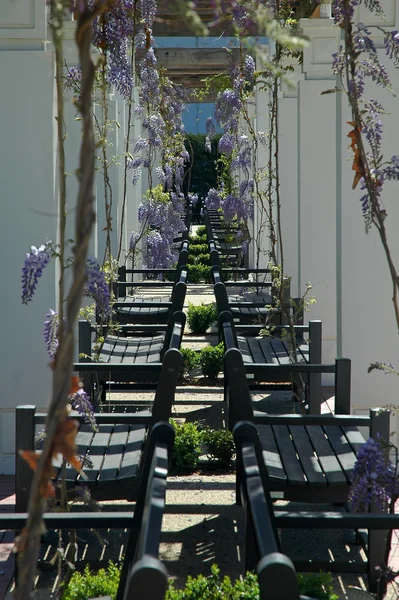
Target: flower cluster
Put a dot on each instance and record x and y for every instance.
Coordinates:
(159, 252)
(374, 477)
(112, 33)
(51, 332)
(80, 401)
(162, 215)
(97, 288)
(213, 199)
(35, 261)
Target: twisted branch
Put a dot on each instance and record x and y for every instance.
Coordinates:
(29, 546)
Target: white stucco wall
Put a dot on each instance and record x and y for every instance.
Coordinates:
(28, 212)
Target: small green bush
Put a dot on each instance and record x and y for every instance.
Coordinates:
(198, 259)
(198, 273)
(215, 588)
(211, 360)
(201, 316)
(187, 447)
(316, 585)
(190, 361)
(86, 585)
(195, 240)
(196, 249)
(201, 230)
(220, 446)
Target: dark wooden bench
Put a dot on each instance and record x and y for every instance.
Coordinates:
(219, 233)
(139, 309)
(276, 572)
(255, 302)
(142, 308)
(113, 453)
(262, 544)
(310, 458)
(141, 567)
(127, 359)
(269, 359)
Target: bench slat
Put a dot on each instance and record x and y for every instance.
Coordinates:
(267, 350)
(132, 455)
(288, 455)
(113, 458)
(83, 442)
(256, 352)
(354, 437)
(327, 458)
(271, 453)
(97, 450)
(310, 464)
(244, 348)
(107, 349)
(342, 449)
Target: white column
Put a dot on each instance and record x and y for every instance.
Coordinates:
(317, 178)
(262, 124)
(288, 165)
(28, 208)
(367, 331)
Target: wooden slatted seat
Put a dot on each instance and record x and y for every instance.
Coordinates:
(269, 360)
(141, 568)
(264, 521)
(112, 454)
(308, 458)
(141, 308)
(124, 358)
(252, 301)
(221, 234)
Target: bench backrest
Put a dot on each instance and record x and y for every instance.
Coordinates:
(276, 572)
(122, 284)
(141, 569)
(275, 316)
(27, 418)
(174, 331)
(236, 386)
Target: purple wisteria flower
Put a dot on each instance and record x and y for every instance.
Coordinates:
(159, 252)
(374, 477)
(249, 69)
(35, 261)
(133, 241)
(148, 9)
(213, 199)
(97, 287)
(80, 401)
(112, 34)
(51, 332)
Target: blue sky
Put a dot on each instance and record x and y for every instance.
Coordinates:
(195, 117)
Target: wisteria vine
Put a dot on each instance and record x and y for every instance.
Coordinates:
(356, 63)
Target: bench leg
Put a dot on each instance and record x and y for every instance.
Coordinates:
(24, 440)
(377, 538)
